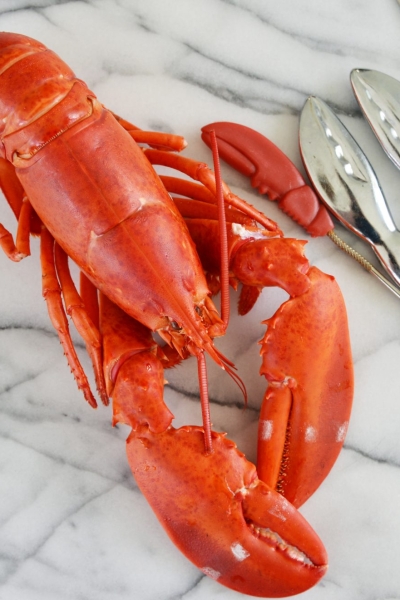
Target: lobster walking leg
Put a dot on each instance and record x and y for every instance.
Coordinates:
(76, 309)
(189, 189)
(90, 297)
(14, 193)
(155, 139)
(27, 224)
(53, 296)
(200, 171)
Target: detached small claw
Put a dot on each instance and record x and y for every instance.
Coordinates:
(271, 172)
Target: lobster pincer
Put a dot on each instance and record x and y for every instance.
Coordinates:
(306, 408)
(271, 173)
(229, 523)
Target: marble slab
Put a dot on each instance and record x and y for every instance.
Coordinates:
(73, 525)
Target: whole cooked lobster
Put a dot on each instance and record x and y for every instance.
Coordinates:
(73, 174)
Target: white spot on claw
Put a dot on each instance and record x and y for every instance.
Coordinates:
(246, 234)
(311, 434)
(239, 552)
(266, 429)
(211, 573)
(341, 432)
(277, 512)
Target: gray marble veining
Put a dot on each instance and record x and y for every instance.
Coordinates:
(73, 525)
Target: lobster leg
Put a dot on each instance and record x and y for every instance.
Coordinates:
(16, 198)
(27, 224)
(52, 294)
(132, 370)
(189, 189)
(212, 505)
(76, 309)
(21, 248)
(90, 297)
(200, 172)
(155, 139)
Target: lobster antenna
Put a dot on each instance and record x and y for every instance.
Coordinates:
(225, 304)
(224, 269)
(205, 402)
(224, 263)
(228, 366)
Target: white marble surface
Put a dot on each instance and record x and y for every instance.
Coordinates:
(73, 525)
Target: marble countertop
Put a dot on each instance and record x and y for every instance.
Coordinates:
(73, 525)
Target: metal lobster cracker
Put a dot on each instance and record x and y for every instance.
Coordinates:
(73, 174)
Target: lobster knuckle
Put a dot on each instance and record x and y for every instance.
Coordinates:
(273, 262)
(141, 377)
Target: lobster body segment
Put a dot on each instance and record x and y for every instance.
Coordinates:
(128, 237)
(33, 80)
(73, 173)
(135, 233)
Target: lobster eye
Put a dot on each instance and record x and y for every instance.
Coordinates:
(198, 310)
(175, 326)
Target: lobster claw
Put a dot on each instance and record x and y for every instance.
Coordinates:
(213, 506)
(306, 409)
(229, 523)
(271, 172)
(306, 349)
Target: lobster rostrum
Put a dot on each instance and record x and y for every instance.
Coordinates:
(73, 174)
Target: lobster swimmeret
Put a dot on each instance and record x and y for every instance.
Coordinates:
(73, 173)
